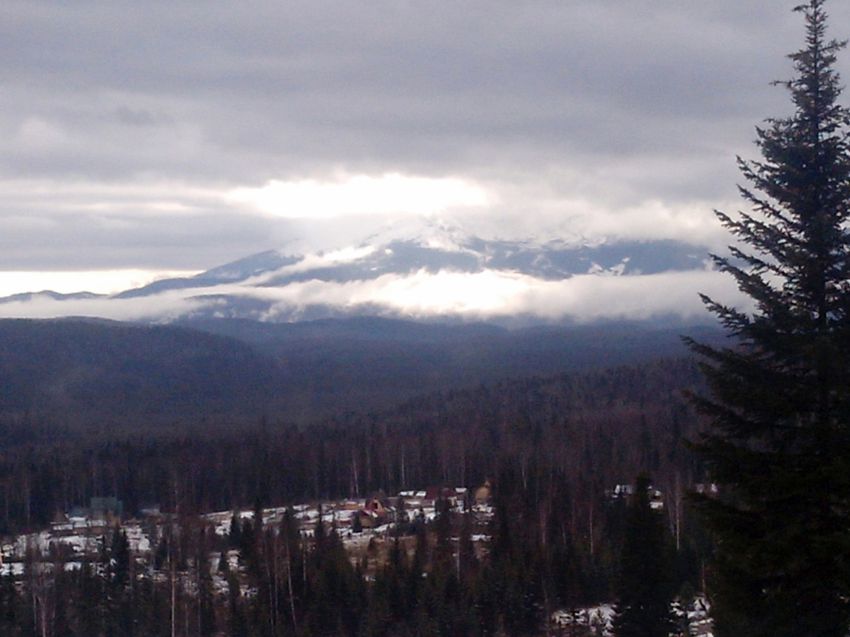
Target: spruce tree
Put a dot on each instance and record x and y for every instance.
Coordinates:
(644, 588)
(779, 440)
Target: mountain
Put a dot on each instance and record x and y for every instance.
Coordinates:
(549, 261)
(82, 371)
(85, 372)
(234, 272)
(303, 336)
(438, 274)
(24, 297)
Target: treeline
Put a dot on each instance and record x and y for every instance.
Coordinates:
(272, 581)
(596, 429)
(73, 372)
(552, 447)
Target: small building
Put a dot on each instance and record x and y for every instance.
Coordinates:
(484, 493)
(375, 512)
(625, 491)
(150, 511)
(450, 494)
(99, 515)
(110, 508)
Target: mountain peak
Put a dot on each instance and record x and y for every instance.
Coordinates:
(420, 269)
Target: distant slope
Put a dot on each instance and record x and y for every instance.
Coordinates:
(84, 371)
(438, 274)
(90, 372)
(368, 363)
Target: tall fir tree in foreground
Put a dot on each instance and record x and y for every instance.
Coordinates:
(644, 589)
(779, 443)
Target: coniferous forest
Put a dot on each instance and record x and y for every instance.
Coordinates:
(663, 495)
(553, 451)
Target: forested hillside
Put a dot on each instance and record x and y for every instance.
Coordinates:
(104, 373)
(83, 373)
(553, 448)
(592, 430)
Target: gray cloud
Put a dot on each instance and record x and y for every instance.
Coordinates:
(617, 106)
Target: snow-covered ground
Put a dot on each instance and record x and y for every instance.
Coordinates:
(600, 618)
(78, 539)
(75, 538)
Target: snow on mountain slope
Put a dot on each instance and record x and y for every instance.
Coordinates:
(419, 271)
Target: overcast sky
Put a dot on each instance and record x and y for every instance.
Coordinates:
(150, 137)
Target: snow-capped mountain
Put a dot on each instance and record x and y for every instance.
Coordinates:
(441, 272)
(551, 261)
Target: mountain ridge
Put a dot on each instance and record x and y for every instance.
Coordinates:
(94, 371)
(371, 278)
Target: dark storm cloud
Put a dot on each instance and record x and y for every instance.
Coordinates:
(614, 103)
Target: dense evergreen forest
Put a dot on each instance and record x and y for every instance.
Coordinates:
(75, 372)
(595, 429)
(552, 447)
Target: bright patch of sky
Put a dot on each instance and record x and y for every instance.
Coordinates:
(388, 194)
